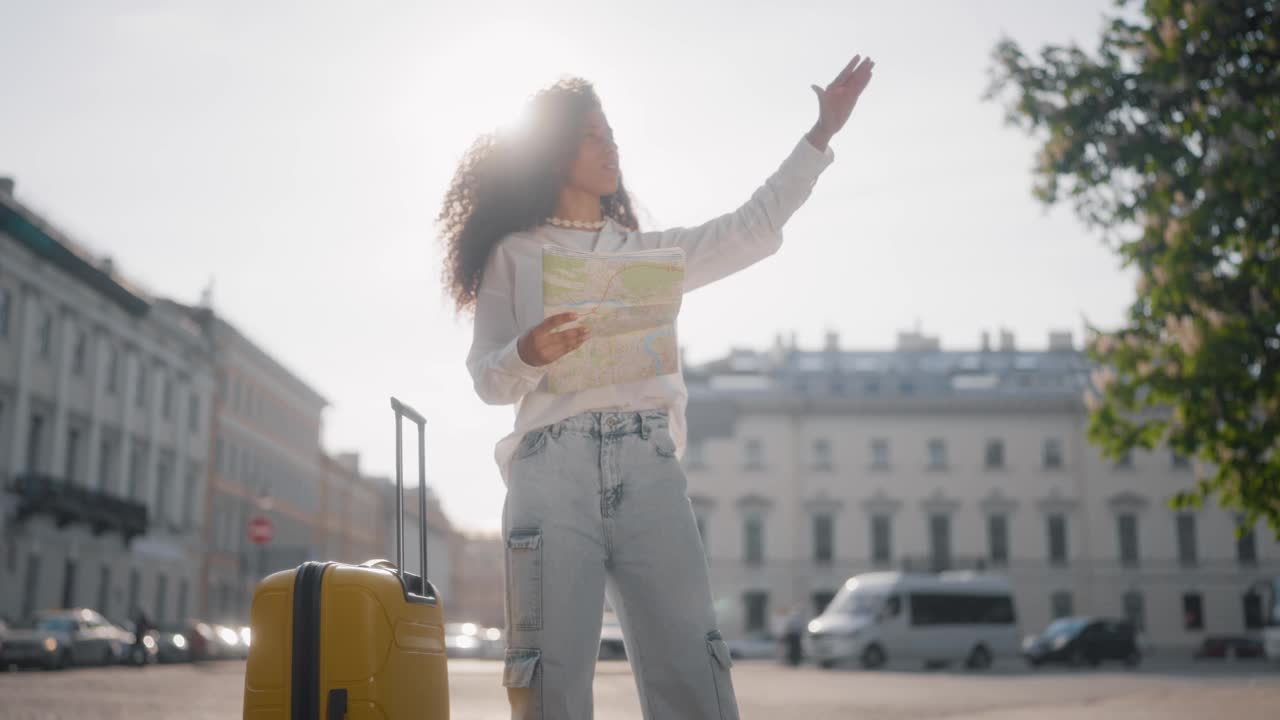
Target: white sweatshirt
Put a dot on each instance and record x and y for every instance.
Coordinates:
(509, 301)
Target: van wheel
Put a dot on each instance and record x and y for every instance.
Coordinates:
(873, 657)
(827, 664)
(1133, 658)
(979, 659)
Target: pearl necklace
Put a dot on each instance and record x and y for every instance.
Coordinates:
(576, 224)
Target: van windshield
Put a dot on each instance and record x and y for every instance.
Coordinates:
(862, 601)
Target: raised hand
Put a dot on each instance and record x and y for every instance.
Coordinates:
(543, 344)
(836, 101)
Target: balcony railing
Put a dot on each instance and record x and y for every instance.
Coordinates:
(39, 494)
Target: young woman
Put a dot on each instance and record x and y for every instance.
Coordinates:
(596, 498)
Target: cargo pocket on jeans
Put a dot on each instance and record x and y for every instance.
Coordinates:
(524, 578)
(522, 676)
(721, 661)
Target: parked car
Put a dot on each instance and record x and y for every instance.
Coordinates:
(201, 642)
(1083, 641)
(146, 654)
(611, 645)
(56, 639)
(1230, 646)
(230, 643)
(172, 644)
(494, 647)
(756, 646)
(463, 640)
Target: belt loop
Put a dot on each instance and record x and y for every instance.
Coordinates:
(644, 425)
(555, 430)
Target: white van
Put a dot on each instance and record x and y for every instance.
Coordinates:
(950, 617)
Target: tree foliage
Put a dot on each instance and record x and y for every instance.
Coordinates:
(1165, 140)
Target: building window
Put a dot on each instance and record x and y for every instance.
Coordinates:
(73, 450)
(44, 335)
(1186, 539)
(940, 541)
(162, 588)
(753, 454)
(35, 441)
(995, 454)
(1052, 453)
(1192, 611)
(6, 305)
(821, 600)
(189, 500)
(823, 538)
(1061, 605)
(193, 413)
(140, 399)
(1127, 529)
(180, 614)
(161, 515)
(756, 608)
(822, 454)
(1057, 528)
(937, 454)
(753, 540)
(1135, 611)
(135, 590)
(879, 454)
(881, 539)
(104, 466)
(30, 588)
(104, 590)
(998, 539)
(77, 354)
(69, 584)
(113, 370)
(1178, 461)
(1253, 617)
(166, 398)
(135, 471)
(1246, 544)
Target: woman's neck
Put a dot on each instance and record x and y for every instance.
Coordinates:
(578, 205)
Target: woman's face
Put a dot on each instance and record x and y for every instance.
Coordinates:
(595, 169)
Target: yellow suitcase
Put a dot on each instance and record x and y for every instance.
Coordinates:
(333, 641)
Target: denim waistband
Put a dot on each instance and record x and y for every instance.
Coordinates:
(611, 423)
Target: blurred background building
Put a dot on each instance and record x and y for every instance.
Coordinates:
(104, 432)
(139, 436)
(808, 466)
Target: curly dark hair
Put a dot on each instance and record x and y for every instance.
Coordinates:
(510, 181)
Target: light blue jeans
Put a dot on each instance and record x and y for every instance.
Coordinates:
(597, 503)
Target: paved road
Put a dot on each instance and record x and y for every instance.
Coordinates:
(765, 690)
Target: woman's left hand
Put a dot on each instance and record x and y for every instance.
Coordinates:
(836, 102)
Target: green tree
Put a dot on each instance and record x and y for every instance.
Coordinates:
(1165, 141)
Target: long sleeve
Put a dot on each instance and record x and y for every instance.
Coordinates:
(734, 241)
(500, 376)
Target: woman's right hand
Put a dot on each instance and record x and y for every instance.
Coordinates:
(543, 345)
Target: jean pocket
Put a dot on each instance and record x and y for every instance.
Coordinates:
(522, 676)
(663, 443)
(532, 442)
(524, 578)
(721, 661)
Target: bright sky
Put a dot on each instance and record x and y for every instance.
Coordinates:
(297, 153)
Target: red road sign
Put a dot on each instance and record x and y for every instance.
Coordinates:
(260, 530)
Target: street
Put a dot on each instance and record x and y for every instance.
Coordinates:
(765, 690)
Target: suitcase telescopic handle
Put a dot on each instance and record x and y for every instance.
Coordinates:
(404, 411)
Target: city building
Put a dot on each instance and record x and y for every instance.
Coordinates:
(808, 466)
(104, 432)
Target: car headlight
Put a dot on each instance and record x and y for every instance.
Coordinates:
(149, 642)
(179, 641)
(245, 636)
(228, 636)
(1059, 642)
(50, 644)
(814, 626)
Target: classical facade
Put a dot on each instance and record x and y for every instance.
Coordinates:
(806, 467)
(104, 432)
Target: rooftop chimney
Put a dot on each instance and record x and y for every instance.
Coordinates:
(913, 341)
(833, 341)
(986, 341)
(6, 186)
(1006, 341)
(1060, 341)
